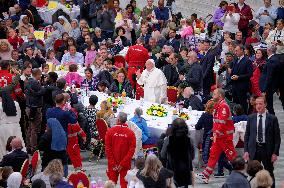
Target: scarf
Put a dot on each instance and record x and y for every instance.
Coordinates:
(8, 104)
(59, 139)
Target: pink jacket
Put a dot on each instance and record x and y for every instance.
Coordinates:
(187, 31)
(73, 77)
(90, 57)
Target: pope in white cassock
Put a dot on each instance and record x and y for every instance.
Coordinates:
(154, 81)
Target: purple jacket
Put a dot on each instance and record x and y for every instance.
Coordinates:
(219, 13)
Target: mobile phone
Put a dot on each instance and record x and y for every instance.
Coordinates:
(278, 41)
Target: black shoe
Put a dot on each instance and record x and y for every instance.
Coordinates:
(219, 175)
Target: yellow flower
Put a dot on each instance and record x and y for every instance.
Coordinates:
(160, 114)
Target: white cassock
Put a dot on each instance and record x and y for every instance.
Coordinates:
(155, 85)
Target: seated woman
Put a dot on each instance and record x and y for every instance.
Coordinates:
(142, 124)
(72, 77)
(54, 166)
(121, 84)
(90, 80)
(53, 143)
(106, 113)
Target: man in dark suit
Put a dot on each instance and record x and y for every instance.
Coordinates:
(173, 41)
(207, 63)
(16, 158)
(172, 69)
(240, 78)
(269, 78)
(262, 137)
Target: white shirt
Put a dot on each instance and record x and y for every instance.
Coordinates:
(263, 126)
(231, 22)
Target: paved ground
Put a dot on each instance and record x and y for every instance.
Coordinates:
(98, 169)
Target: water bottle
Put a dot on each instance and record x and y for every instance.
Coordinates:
(100, 183)
(93, 183)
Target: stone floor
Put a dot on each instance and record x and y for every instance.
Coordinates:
(99, 169)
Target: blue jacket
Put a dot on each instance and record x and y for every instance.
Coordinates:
(142, 124)
(236, 180)
(161, 14)
(64, 117)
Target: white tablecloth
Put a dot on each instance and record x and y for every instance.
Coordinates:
(156, 125)
(46, 14)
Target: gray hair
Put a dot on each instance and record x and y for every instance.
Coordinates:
(272, 48)
(192, 53)
(55, 178)
(97, 29)
(122, 117)
(139, 111)
(221, 92)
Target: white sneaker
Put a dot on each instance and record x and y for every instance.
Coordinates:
(202, 178)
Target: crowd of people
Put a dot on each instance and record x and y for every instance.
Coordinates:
(230, 68)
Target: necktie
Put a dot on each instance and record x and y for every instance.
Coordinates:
(260, 131)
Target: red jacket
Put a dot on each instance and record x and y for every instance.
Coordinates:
(137, 55)
(246, 11)
(16, 42)
(74, 130)
(222, 120)
(120, 144)
(5, 79)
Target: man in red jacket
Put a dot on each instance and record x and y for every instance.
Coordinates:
(120, 144)
(136, 58)
(223, 129)
(245, 16)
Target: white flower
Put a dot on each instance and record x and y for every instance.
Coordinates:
(155, 112)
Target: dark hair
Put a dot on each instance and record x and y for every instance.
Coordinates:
(263, 52)
(179, 127)
(194, 15)
(118, 29)
(59, 98)
(64, 33)
(238, 110)
(60, 83)
(241, 47)
(6, 172)
(36, 71)
(49, 52)
(253, 167)
(38, 183)
(103, 83)
(238, 163)
(73, 40)
(93, 100)
(73, 68)
(26, 64)
(140, 163)
(53, 76)
(44, 65)
(4, 64)
(129, 5)
(222, 3)
(184, 49)
(8, 143)
(250, 49)
(89, 70)
(210, 28)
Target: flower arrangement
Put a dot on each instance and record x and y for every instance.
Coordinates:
(184, 116)
(157, 110)
(61, 68)
(115, 101)
(68, 6)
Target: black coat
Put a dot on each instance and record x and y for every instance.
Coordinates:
(36, 61)
(192, 101)
(269, 79)
(244, 70)
(171, 73)
(148, 182)
(175, 44)
(15, 159)
(105, 76)
(49, 154)
(207, 64)
(34, 93)
(194, 76)
(272, 135)
(179, 159)
(126, 86)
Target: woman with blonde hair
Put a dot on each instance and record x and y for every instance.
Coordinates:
(154, 174)
(5, 49)
(263, 179)
(106, 113)
(54, 166)
(97, 64)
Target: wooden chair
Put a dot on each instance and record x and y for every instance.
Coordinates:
(25, 168)
(102, 129)
(35, 161)
(76, 177)
(172, 93)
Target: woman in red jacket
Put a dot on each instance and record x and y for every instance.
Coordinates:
(259, 62)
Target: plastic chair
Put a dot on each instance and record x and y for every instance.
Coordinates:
(119, 61)
(76, 177)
